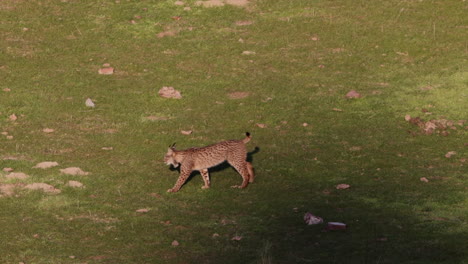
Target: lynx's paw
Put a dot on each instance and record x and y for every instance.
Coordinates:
(205, 187)
(171, 190)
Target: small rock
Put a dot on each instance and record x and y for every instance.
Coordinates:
(89, 103)
(261, 125)
(311, 219)
(179, 3)
(450, 154)
(106, 71)
(7, 169)
(236, 238)
(13, 117)
(143, 210)
(48, 130)
(186, 132)
(424, 179)
(175, 243)
(248, 52)
(342, 186)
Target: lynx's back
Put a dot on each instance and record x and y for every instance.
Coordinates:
(212, 155)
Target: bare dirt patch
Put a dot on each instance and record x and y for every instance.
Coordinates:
(46, 165)
(237, 2)
(17, 175)
(74, 171)
(238, 95)
(43, 187)
(218, 3)
(9, 189)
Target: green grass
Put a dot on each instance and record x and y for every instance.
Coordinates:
(403, 57)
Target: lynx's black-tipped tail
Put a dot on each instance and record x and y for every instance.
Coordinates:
(247, 137)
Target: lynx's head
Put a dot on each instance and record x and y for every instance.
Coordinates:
(169, 158)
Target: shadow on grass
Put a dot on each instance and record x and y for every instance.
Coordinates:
(383, 232)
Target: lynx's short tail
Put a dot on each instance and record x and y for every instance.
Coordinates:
(247, 137)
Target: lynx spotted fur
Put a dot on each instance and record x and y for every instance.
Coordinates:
(201, 159)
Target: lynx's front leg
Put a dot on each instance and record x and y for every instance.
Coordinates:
(206, 178)
(184, 174)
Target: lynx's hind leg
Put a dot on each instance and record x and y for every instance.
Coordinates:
(251, 172)
(242, 169)
(206, 178)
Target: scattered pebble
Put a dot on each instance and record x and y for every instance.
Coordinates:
(48, 130)
(143, 210)
(89, 103)
(342, 186)
(450, 154)
(175, 243)
(13, 117)
(236, 238)
(424, 179)
(248, 52)
(186, 132)
(311, 219)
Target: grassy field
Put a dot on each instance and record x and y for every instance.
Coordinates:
(279, 69)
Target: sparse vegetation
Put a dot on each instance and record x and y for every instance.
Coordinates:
(278, 69)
